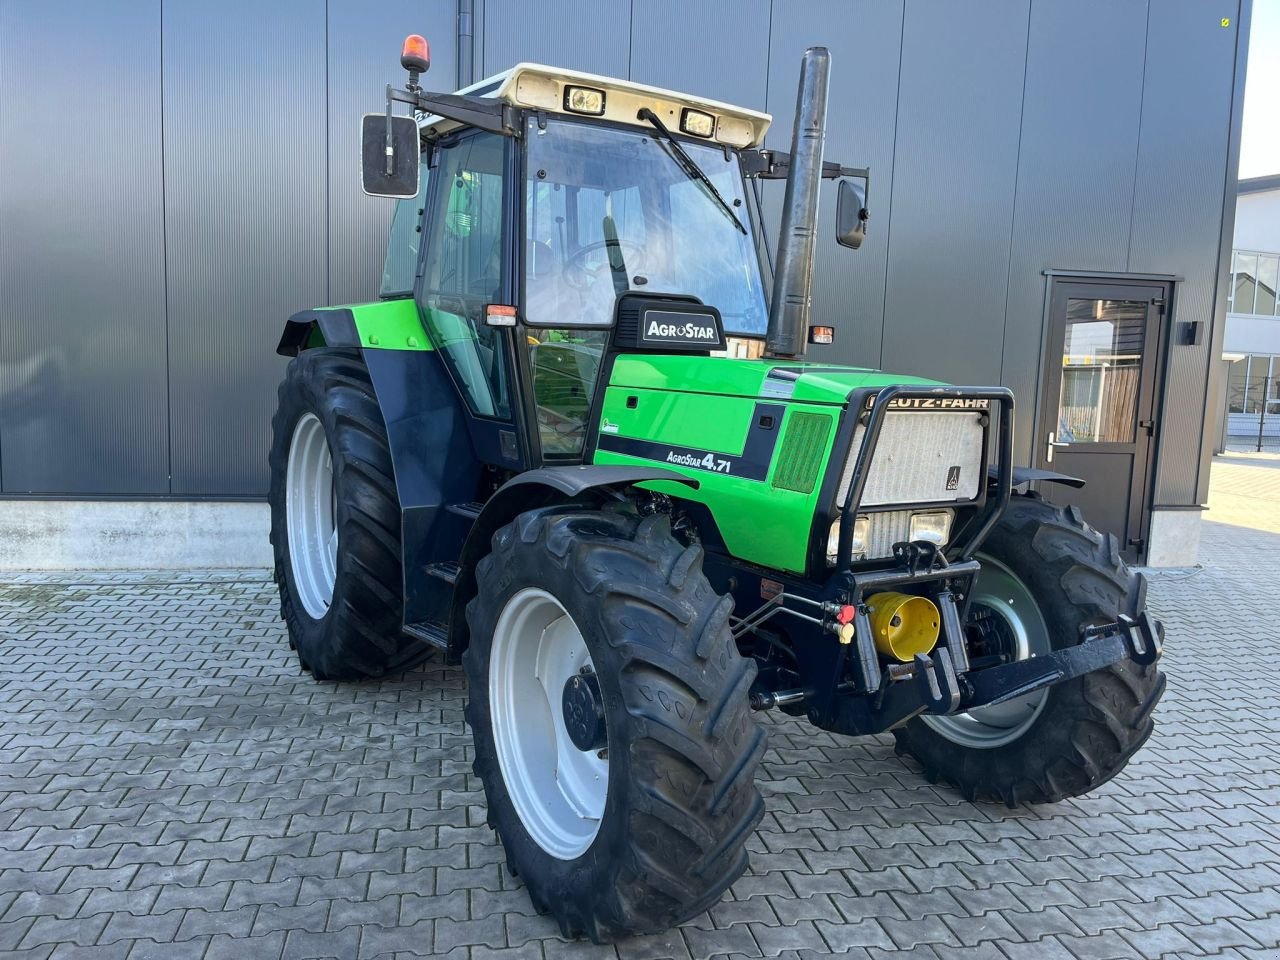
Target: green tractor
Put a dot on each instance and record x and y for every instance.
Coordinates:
(534, 455)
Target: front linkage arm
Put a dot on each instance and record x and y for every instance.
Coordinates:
(932, 683)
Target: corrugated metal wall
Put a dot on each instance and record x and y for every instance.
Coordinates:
(161, 219)
(155, 233)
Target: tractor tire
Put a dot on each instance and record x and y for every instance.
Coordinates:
(646, 826)
(332, 481)
(1072, 737)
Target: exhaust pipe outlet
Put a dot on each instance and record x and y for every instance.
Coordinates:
(788, 332)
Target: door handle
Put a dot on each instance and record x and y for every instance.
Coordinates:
(1052, 442)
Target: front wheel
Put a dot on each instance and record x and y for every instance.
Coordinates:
(1045, 574)
(609, 708)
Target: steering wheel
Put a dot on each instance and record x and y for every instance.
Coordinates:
(578, 274)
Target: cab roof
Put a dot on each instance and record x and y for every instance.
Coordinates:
(536, 86)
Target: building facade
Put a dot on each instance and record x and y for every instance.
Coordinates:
(1052, 192)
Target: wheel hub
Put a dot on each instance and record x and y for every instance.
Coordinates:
(311, 516)
(584, 712)
(558, 788)
(1005, 621)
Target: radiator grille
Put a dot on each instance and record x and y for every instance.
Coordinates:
(800, 460)
(918, 456)
(886, 529)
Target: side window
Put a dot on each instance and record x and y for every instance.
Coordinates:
(464, 269)
(565, 365)
(403, 244)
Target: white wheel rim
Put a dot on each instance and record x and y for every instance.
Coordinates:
(558, 791)
(1002, 592)
(310, 515)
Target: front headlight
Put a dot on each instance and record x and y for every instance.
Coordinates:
(861, 527)
(932, 527)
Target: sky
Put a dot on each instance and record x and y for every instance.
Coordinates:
(1260, 138)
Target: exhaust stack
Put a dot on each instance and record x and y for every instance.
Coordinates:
(788, 332)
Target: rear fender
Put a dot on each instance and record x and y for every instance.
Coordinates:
(586, 485)
(334, 327)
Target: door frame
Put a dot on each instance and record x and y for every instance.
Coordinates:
(1050, 353)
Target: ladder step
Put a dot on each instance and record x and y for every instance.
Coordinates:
(469, 510)
(435, 634)
(448, 571)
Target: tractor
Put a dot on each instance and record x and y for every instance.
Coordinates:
(575, 447)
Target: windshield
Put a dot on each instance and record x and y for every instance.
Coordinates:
(612, 210)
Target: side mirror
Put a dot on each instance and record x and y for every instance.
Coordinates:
(389, 165)
(851, 214)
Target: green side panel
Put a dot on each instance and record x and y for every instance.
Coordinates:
(810, 382)
(389, 325)
(800, 460)
(762, 522)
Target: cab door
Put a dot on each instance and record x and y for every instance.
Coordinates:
(466, 266)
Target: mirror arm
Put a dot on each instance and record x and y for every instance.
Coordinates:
(774, 165)
(483, 113)
(390, 144)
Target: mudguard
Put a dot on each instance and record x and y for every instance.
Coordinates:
(336, 324)
(1023, 475)
(540, 487)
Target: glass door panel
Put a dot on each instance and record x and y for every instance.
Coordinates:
(1101, 368)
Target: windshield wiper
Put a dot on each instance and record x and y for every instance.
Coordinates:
(690, 168)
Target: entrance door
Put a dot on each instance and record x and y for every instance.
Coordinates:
(1098, 419)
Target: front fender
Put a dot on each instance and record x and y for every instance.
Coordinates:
(542, 487)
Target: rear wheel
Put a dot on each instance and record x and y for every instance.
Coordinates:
(609, 707)
(335, 522)
(1045, 575)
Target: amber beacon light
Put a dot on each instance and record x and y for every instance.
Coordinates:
(415, 56)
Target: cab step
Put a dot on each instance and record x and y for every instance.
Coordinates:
(469, 510)
(436, 634)
(447, 571)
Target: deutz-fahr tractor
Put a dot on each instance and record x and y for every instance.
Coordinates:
(535, 455)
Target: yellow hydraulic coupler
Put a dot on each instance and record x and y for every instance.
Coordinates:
(902, 624)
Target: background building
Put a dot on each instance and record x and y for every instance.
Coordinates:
(1251, 344)
(1052, 193)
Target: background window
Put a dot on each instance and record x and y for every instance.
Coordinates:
(1245, 281)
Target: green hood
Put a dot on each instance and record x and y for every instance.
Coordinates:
(728, 376)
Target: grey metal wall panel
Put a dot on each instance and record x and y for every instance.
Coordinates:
(82, 348)
(684, 46)
(1074, 192)
(363, 57)
(960, 100)
(245, 221)
(564, 33)
(1182, 169)
(865, 39)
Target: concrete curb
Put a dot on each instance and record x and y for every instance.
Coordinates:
(133, 535)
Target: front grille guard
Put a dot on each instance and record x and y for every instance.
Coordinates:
(977, 530)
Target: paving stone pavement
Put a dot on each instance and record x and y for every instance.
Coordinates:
(170, 786)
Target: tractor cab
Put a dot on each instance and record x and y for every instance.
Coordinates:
(583, 190)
